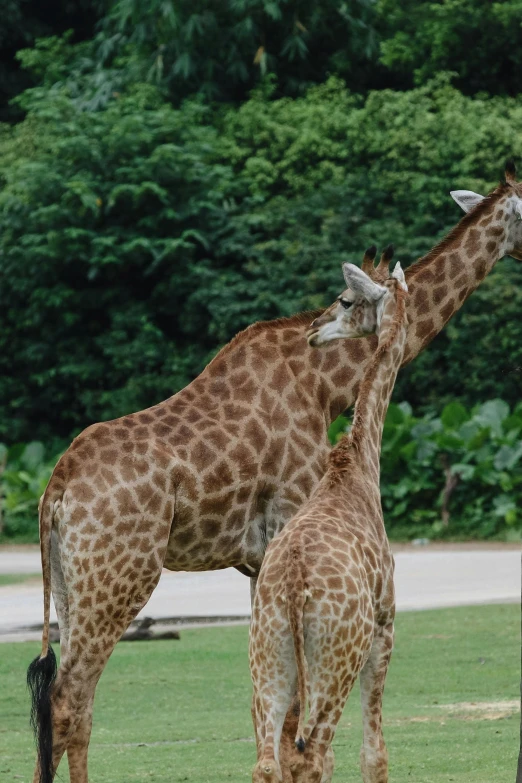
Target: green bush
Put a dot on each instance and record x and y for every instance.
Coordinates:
(454, 476)
(25, 470)
(136, 240)
(476, 39)
(103, 217)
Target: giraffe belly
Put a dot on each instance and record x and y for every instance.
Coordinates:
(209, 544)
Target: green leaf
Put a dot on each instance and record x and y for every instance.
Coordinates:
(32, 455)
(492, 414)
(463, 470)
(507, 457)
(454, 415)
(395, 415)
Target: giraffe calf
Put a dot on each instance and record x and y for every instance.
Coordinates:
(324, 605)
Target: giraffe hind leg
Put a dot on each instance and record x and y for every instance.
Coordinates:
(374, 756)
(93, 632)
(78, 746)
(72, 694)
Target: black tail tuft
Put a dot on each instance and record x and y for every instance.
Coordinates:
(40, 677)
(300, 744)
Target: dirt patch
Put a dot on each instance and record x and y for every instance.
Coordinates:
(442, 636)
(481, 710)
(464, 710)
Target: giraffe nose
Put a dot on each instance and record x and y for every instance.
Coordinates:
(319, 321)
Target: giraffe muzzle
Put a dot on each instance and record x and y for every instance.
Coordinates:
(313, 338)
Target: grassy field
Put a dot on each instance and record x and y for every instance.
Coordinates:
(16, 579)
(179, 710)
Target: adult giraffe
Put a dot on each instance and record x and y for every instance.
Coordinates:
(205, 479)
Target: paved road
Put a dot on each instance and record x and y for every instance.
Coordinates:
(425, 579)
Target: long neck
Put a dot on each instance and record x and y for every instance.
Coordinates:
(326, 380)
(439, 284)
(363, 443)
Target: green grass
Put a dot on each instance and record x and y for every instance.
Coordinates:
(180, 711)
(15, 579)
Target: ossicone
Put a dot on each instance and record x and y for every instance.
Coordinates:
(388, 252)
(510, 171)
(368, 259)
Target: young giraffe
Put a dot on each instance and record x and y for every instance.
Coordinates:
(205, 479)
(324, 605)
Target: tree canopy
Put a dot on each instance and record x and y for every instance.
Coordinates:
(171, 172)
(137, 239)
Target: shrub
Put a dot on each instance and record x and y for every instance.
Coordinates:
(25, 470)
(136, 240)
(458, 475)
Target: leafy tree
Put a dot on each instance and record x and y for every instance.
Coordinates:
(95, 208)
(478, 40)
(137, 239)
(222, 49)
(23, 21)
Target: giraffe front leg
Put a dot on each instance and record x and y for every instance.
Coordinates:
(374, 756)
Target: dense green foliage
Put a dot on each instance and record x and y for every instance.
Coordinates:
(180, 170)
(103, 219)
(137, 240)
(478, 40)
(221, 49)
(25, 470)
(23, 22)
(457, 475)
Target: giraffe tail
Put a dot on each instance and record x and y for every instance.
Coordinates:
(42, 671)
(296, 597)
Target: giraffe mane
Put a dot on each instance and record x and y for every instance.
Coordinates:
(469, 219)
(344, 453)
(298, 320)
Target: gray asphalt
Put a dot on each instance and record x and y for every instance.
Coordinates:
(425, 579)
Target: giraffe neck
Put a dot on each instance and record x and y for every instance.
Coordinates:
(363, 443)
(440, 282)
(327, 380)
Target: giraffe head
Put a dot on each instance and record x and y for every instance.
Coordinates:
(511, 192)
(358, 310)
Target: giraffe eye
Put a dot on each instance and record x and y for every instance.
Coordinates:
(345, 303)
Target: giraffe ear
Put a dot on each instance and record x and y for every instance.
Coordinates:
(361, 284)
(466, 199)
